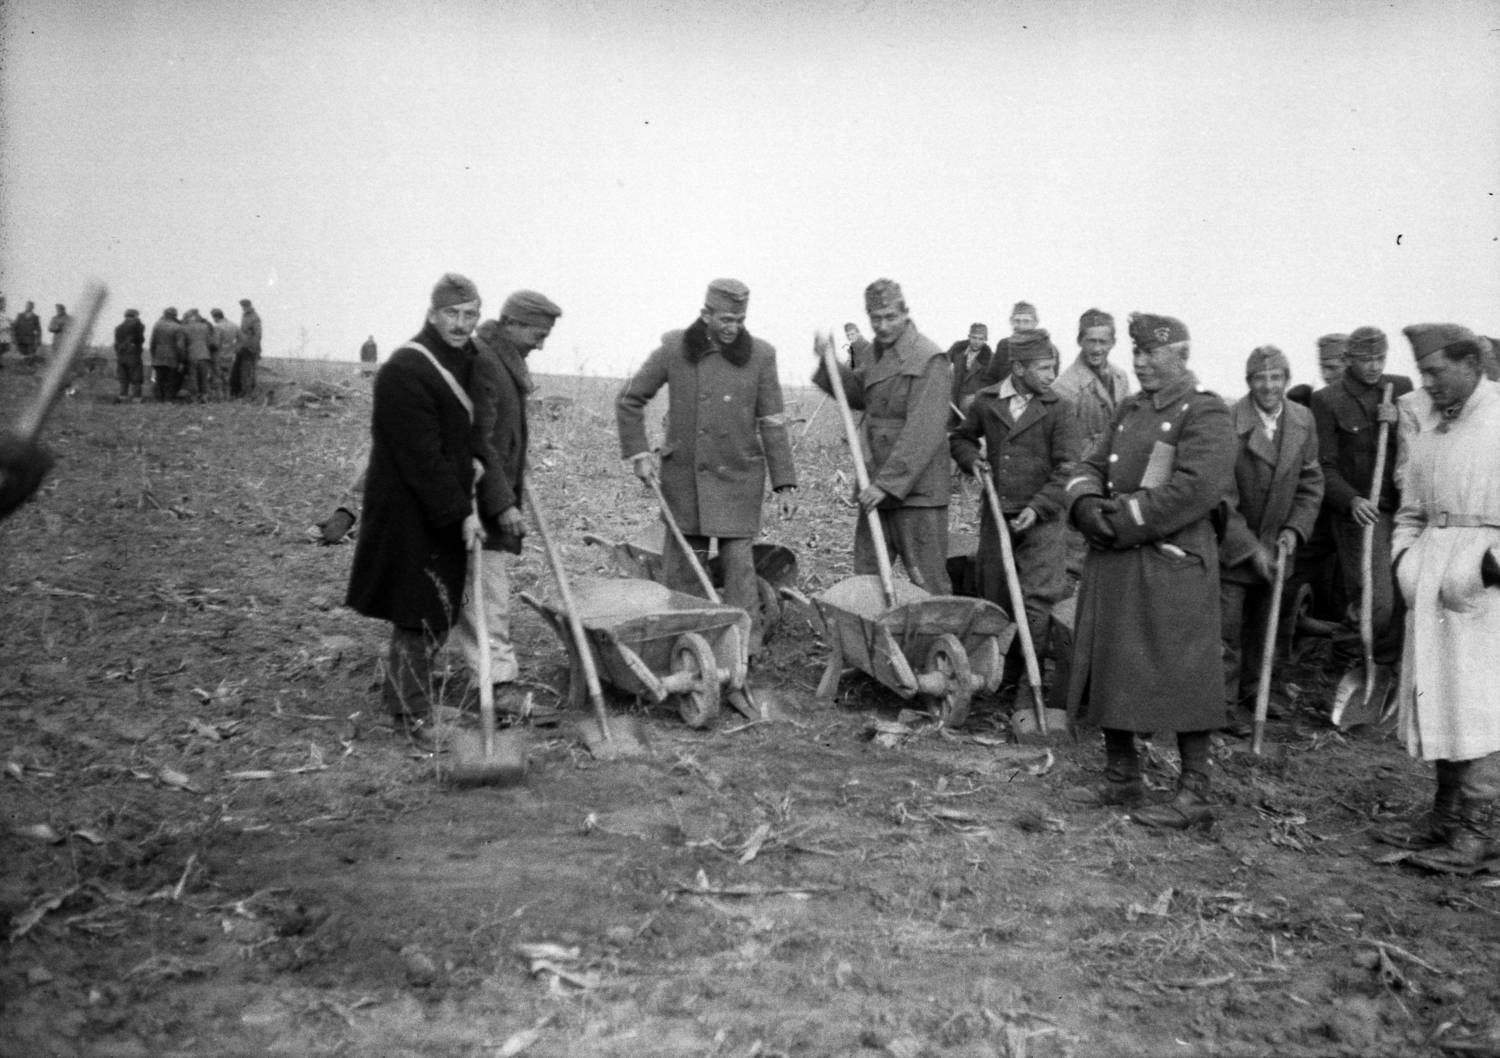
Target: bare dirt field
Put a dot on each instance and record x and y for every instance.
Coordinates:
(213, 846)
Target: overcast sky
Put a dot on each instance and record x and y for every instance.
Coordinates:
(1266, 171)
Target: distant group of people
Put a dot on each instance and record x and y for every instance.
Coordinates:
(23, 333)
(191, 358)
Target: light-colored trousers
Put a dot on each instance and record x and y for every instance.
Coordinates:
(495, 578)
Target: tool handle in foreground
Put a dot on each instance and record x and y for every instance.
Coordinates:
(1017, 600)
(575, 623)
(60, 366)
(1268, 654)
(482, 634)
(861, 475)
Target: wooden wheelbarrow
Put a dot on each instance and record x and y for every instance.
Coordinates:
(660, 644)
(641, 556)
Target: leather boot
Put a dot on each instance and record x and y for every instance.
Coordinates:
(1189, 808)
(1468, 843)
(1122, 776)
(1432, 828)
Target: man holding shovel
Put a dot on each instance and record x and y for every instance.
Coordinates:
(1031, 441)
(419, 519)
(1446, 545)
(1278, 490)
(1349, 414)
(501, 384)
(1146, 649)
(726, 430)
(903, 389)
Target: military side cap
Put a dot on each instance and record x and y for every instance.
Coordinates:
(1367, 341)
(979, 331)
(1332, 345)
(453, 289)
(1429, 338)
(1148, 331)
(1267, 358)
(1023, 308)
(1095, 318)
(727, 295)
(881, 293)
(530, 309)
(1032, 345)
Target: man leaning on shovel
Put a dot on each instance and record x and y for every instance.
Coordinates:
(726, 431)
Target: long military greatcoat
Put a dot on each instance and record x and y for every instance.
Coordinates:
(1449, 517)
(409, 559)
(904, 395)
(726, 429)
(1278, 485)
(1146, 644)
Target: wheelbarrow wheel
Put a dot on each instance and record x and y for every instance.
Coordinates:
(948, 659)
(692, 655)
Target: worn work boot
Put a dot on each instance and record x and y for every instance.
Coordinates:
(1468, 843)
(1429, 830)
(1189, 808)
(1122, 778)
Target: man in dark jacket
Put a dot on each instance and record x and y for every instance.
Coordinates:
(247, 352)
(130, 341)
(502, 382)
(903, 391)
(58, 324)
(419, 517)
(971, 362)
(726, 431)
(167, 351)
(27, 332)
(1146, 648)
(1278, 490)
(1031, 441)
(1348, 415)
(1023, 318)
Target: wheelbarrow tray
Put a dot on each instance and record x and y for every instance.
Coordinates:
(891, 644)
(632, 626)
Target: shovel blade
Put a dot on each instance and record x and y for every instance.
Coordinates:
(1024, 727)
(504, 766)
(623, 737)
(1360, 703)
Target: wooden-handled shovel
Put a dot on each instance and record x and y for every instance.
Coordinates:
(1268, 654)
(861, 475)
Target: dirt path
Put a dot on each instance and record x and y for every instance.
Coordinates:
(246, 862)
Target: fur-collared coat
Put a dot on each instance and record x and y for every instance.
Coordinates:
(1146, 643)
(904, 395)
(726, 429)
(410, 558)
(1278, 485)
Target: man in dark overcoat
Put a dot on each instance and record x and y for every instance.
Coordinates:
(502, 382)
(419, 518)
(726, 430)
(1146, 646)
(1278, 490)
(903, 391)
(1348, 414)
(247, 352)
(971, 362)
(27, 332)
(166, 353)
(130, 342)
(1031, 442)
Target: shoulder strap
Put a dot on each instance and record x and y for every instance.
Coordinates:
(447, 376)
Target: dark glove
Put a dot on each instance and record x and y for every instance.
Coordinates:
(1489, 570)
(1089, 515)
(23, 464)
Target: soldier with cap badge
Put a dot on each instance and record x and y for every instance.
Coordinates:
(1146, 646)
(726, 432)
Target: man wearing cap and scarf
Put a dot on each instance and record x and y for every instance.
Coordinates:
(1023, 318)
(130, 341)
(1348, 414)
(1278, 490)
(501, 384)
(1031, 442)
(1146, 646)
(726, 429)
(1446, 546)
(1333, 357)
(419, 518)
(971, 362)
(903, 391)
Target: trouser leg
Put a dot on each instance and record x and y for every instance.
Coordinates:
(1231, 625)
(494, 574)
(676, 568)
(919, 535)
(737, 556)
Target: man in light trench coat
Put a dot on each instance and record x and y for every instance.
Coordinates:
(726, 431)
(1445, 545)
(1146, 651)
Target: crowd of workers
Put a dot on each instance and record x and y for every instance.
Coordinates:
(1176, 510)
(189, 357)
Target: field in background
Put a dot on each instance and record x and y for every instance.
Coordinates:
(214, 847)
